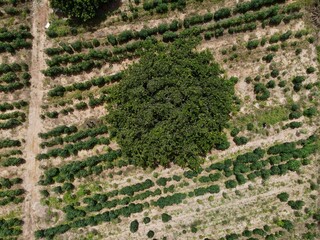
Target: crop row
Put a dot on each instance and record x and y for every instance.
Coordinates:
(12, 40)
(58, 131)
(77, 169)
(9, 182)
(12, 161)
(237, 168)
(92, 103)
(79, 135)
(128, 35)
(73, 149)
(14, 67)
(275, 38)
(117, 54)
(16, 76)
(5, 106)
(8, 36)
(8, 143)
(264, 232)
(10, 153)
(60, 91)
(287, 151)
(9, 196)
(14, 119)
(163, 6)
(10, 227)
(11, 87)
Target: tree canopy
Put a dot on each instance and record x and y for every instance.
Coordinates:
(171, 106)
(81, 9)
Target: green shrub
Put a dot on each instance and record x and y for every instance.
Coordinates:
(297, 82)
(274, 73)
(268, 58)
(165, 217)
(222, 13)
(258, 231)
(240, 140)
(252, 44)
(310, 70)
(283, 197)
(234, 132)
(295, 115)
(146, 220)
(271, 84)
(134, 226)
(298, 51)
(296, 205)
(150, 234)
(310, 112)
(231, 184)
(282, 84)
(295, 125)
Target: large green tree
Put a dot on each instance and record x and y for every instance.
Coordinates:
(171, 106)
(80, 9)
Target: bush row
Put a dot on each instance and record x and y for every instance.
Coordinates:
(95, 206)
(20, 115)
(12, 193)
(10, 227)
(8, 36)
(11, 123)
(254, 5)
(8, 143)
(92, 220)
(128, 35)
(287, 151)
(5, 106)
(11, 87)
(73, 149)
(13, 67)
(12, 161)
(59, 91)
(176, 198)
(75, 169)
(162, 6)
(58, 131)
(93, 102)
(9, 182)
(235, 25)
(79, 135)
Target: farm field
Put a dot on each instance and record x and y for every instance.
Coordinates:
(160, 120)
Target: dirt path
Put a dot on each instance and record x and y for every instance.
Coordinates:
(32, 207)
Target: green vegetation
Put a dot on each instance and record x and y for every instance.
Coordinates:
(171, 107)
(283, 197)
(269, 116)
(165, 217)
(134, 226)
(81, 9)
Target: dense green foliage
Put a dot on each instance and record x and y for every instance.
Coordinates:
(134, 226)
(165, 217)
(80, 9)
(171, 107)
(283, 197)
(10, 228)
